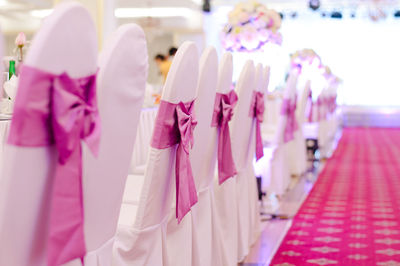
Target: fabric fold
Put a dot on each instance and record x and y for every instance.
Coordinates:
(174, 125)
(223, 112)
(257, 108)
(59, 110)
(289, 110)
(311, 106)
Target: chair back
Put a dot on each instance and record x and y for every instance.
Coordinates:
(203, 154)
(242, 123)
(66, 42)
(121, 82)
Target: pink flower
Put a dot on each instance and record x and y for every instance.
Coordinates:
(20, 40)
(263, 35)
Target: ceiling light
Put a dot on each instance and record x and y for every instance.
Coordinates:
(41, 13)
(153, 12)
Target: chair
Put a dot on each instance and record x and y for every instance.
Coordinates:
(66, 42)
(142, 231)
(122, 75)
(226, 206)
(205, 226)
(298, 151)
(276, 178)
(243, 147)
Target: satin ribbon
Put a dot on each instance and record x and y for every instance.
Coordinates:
(174, 125)
(332, 104)
(56, 109)
(257, 111)
(288, 110)
(223, 112)
(321, 108)
(310, 111)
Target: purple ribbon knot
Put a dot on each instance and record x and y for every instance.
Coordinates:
(257, 111)
(288, 110)
(175, 124)
(223, 112)
(56, 109)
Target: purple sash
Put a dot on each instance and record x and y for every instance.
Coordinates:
(223, 112)
(56, 109)
(321, 109)
(311, 106)
(288, 110)
(174, 125)
(257, 112)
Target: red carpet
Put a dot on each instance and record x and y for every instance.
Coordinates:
(352, 216)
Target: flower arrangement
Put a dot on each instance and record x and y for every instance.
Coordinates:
(250, 26)
(304, 57)
(20, 42)
(330, 77)
(307, 60)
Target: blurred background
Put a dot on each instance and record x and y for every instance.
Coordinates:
(358, 39)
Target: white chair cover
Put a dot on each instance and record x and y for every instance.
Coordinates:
(243, 147)
(323, 124)
(3, 124)
(225, 194)
(205, 225)
(121, 83)
(277, 179)
(333, 117)
(66, 42)
(298, 152)
(142, 231)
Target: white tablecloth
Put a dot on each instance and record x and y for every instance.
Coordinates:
(143, 138)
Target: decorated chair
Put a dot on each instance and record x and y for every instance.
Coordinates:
(298, 149)
(122, 75)
(144, 228)
(236, 222)
(212, 144)
(274, 168)
(225, 193)
(42, 219)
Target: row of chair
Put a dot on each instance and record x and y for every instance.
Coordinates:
(131, 219)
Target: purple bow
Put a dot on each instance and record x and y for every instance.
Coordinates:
(310, 111)
(223, 112)
(289, 109)
(174, 125)
(321, 111)
(56, 109)
(257, 111)
(332, 104)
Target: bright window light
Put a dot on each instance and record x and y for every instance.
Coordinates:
(41, 13)
(153, 12)
(197, 2)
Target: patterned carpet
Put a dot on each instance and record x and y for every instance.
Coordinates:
(352, 216)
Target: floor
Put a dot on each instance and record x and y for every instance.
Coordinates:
(372, 153)
(351, 216)
(274, 230)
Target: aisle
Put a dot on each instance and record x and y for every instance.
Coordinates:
(352, 216)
